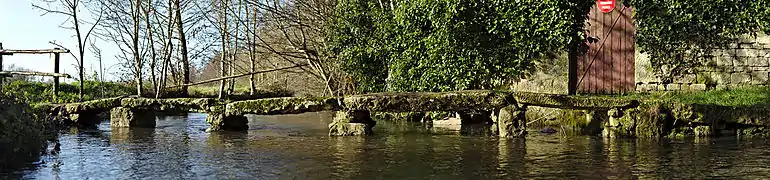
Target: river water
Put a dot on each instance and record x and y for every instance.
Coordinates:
(297, 147)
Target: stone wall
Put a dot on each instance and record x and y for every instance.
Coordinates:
(745, 62)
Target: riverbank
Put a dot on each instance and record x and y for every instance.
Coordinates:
(40, 92)
(23, 135)
(741, 112)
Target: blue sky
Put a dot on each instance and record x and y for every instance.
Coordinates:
(23, 27)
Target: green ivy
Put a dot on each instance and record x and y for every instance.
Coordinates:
(677, 33)
(447, 45)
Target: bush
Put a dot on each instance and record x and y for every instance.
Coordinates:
(446, 45)
(39, 92)
(23, 136)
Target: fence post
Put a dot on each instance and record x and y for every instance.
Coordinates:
(56, 79)
(2, 78)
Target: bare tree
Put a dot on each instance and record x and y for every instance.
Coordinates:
(182, 45)
(122, 25)
(70, 9)
(222, 7)
(98, 55)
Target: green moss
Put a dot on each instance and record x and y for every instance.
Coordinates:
(287, 105)
(573, 119)
(428, 101)
(399, 117)
(343, 125)
(565, 101)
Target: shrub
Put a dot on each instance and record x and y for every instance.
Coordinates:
(446, 45)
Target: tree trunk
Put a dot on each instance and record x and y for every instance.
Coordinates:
(135, 41)
(224, 39)
(153, 54)
(251, 40)
(183, 48)
(169, 48)
(81, 50)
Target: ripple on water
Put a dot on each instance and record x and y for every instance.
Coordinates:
(297, 147)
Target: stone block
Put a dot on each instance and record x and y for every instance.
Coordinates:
(512, 122)
(764, 53)
(661, 87)
(749, 45)
(85, 119)
(762, 38)
(740, 78)
(697, 87)
(746, 52)
(351, 123)
(766, 68)
(687, 78)
(646, 87)
(713, 78)
(122, 117)
(725, 60)
(720, 87)
(673, 87)
(739, 61)
(221, 122)
(596, 121)
(757, 61)
(716, 52)
(759, 77)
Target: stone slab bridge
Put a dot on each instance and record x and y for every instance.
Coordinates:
(504, 111)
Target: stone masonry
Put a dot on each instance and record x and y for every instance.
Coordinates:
(746, 62)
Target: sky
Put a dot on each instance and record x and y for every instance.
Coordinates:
(24, 27)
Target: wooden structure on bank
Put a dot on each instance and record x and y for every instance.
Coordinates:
(607, 67)
(56, 52)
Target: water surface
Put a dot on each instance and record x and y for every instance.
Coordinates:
(297, 147)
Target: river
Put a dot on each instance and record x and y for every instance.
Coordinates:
(297, 147)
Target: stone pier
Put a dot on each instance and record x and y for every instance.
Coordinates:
(222, 122)
(351, 123)
(122, 117)
(478, 123)
(512, 122)
(598, 119)
(85, 119)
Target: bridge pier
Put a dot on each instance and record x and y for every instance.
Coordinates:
(512, 122)
(352, 123)
(122, 117)
(85, 119)
(222, 122)
(598, 120)
(476, 123)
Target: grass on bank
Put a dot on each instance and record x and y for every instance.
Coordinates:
(740, 96)
(42, 92)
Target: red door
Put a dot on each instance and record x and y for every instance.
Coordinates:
(608, 65)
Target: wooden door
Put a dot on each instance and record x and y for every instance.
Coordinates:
(608, 65)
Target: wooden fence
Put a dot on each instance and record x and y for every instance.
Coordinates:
(56, 52)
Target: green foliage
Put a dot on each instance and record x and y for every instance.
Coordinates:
(676, 33)
(39, 92)
(447, 45)
(22, 135)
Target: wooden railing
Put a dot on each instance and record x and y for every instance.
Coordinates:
(56, 75)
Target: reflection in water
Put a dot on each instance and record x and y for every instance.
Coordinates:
(297, 147)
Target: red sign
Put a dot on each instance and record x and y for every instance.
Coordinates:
(606, 5)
